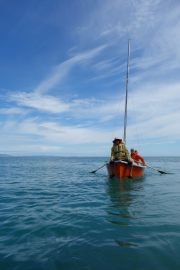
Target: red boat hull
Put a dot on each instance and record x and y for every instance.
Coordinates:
(122, 169)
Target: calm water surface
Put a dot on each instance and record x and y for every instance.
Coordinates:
(54, 214)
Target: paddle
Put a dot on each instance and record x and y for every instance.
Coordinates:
(162, 172)
(98, 168)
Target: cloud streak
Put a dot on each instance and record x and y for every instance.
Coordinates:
(62, 70)
(40, 102)
(38, 99)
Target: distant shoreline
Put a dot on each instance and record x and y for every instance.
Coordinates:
(53, 156)
(5, 155)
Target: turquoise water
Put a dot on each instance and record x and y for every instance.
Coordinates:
(54, 214)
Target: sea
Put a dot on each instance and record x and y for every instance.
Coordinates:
(56, 214)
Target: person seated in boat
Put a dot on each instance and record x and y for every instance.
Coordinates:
(137, 157)
(119, 151)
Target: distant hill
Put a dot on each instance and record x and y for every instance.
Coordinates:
(5, 155)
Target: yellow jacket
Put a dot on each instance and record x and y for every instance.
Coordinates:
(119, 152)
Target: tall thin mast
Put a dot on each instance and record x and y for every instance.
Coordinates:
(126, 98)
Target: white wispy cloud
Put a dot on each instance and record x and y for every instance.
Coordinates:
(12, 111)
(38, 99)
(33, 131)
(147, 105)
(120, 19)
(62, 70)
(40, 102)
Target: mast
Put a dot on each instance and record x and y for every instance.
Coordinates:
(126, 98)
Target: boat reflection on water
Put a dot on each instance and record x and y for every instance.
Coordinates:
(125, 208)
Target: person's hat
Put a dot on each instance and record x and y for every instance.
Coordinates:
(132, 150)
(117, 140)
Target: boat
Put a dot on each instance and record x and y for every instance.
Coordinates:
(121, 168)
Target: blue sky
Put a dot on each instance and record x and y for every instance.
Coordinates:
(63, 69)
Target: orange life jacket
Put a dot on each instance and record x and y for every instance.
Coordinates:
(137, 157)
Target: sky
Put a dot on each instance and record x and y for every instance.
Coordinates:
(63, 73)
